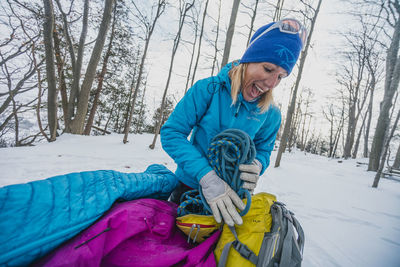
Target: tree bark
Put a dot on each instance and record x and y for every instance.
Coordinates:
(48, 27)
(195, 22)
(200, 39)
(384, 153)
(177, 39)
(253, 18)
(288, 122)
(77, 124)
(368, 126)
(357, 143)
(103, 72)
(396, 163)
(61, 76)
(230, 32)
(278, 10)
(74, 94)
(160, 10)
(391, 85)
(140, 123)
(216, 40)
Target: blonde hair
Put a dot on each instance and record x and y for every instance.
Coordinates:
(237, 75)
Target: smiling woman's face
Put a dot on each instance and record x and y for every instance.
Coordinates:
(260, 78)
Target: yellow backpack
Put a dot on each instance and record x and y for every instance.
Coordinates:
(197, 227)
(266, 238)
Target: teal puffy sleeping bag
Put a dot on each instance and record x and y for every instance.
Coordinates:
(38, 216)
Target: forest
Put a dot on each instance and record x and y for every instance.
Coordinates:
(120, 66)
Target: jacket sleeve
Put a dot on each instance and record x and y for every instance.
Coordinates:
(264, 140)
(187, 113)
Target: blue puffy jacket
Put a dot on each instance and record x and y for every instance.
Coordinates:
(38, 216)
(207, 110)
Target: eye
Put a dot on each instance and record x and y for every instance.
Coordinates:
(267, 69)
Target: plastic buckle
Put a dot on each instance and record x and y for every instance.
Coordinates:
(243, 250)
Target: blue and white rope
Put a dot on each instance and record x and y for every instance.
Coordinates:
(226, 152)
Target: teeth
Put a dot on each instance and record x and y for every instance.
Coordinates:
(258, 88)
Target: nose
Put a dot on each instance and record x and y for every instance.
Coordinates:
(271, 81)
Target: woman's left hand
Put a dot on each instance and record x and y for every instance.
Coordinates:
(250, 173)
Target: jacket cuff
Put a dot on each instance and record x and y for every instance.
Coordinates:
(204, 172)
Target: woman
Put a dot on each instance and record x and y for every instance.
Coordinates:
(239, 97)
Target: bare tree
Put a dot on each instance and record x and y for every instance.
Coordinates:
(149, 25)
(216, 50)
(199, 43)
(384, 152)
(183, 9)
(375, 70)
(77, 123)
(392, 78)
(356, 76)
(48, 28)
(306, 103)
(230, 32)
(290, 112)
(396, 163)
(103, 71)
(278, 10)
(18, 44)
(253, 15)
(195, 20)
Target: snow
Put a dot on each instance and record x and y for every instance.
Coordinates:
(346, 221)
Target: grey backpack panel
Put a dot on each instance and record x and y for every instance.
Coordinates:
(281, 247)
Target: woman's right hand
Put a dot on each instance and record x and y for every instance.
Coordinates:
(222, 199)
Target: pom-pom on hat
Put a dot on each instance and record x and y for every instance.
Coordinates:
(279, 48)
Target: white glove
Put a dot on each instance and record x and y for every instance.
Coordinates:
(250, 173)
(221, 198)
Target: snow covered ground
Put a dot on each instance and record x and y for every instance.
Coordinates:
(346, 221)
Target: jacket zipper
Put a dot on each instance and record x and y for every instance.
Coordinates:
(235, 114)
(190, 224)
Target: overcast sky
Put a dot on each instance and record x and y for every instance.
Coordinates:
(318, 73)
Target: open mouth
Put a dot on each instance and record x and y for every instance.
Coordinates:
(255, 91)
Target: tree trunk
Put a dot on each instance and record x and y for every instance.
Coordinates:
(396, 163)
(38, 106)
(288, 122)
(140, 122)
(109, 117)
(216, 40)
(193, 52)
(77, 124)
(384, 153)
(368, 126)
(230, 32)
(338, 133)
(101, 79)
(74, 94)
(61, 76)
(350, 130)
(357, 143)
(160, 10)
(278, 10)
(174, 49)
(200, 39)
(253, 18)
(48, 27)
(391, 85)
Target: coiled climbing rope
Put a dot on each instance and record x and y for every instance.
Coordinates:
(226, 152)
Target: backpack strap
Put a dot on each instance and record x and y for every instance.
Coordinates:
(241, 248)
(288, 241)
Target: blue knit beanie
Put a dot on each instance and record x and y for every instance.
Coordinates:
(276, 47)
